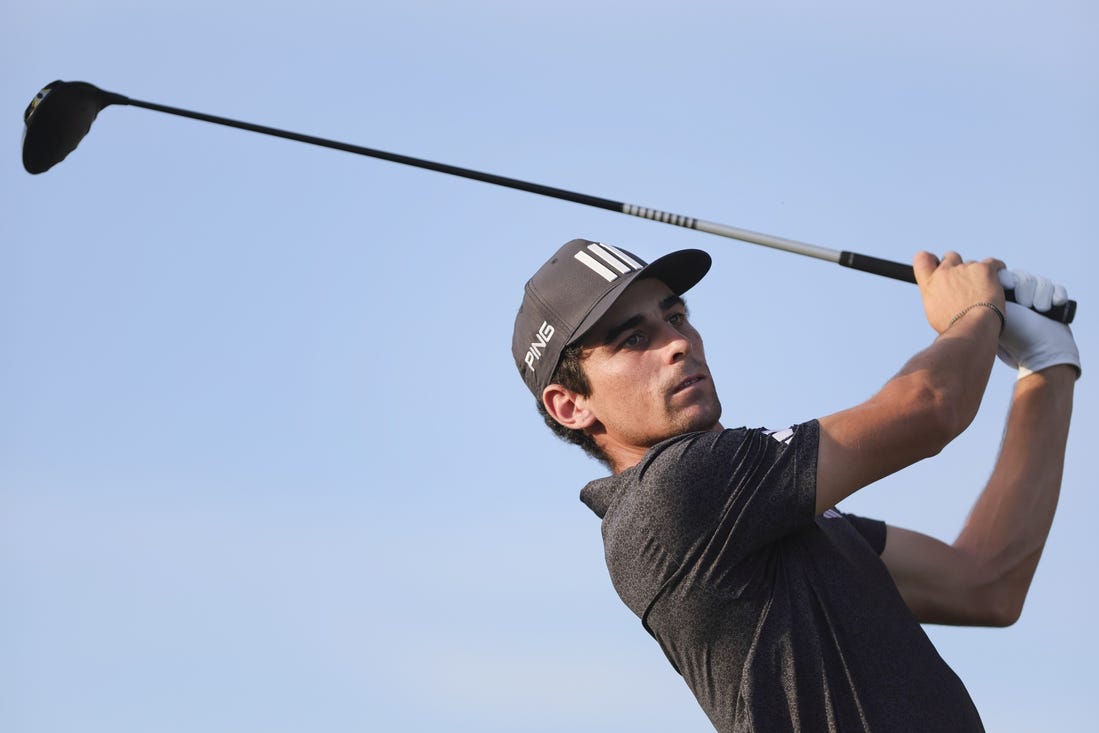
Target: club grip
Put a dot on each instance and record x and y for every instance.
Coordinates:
(887, 268)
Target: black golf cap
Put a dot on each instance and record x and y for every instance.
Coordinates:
(575, 288)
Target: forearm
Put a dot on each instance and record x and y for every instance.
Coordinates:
(921, 409)
(1008, 526)
(956, 368)
(964, 303)
(984, 576)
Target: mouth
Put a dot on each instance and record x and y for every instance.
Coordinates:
(688, 383)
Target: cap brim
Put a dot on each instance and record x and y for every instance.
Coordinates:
(680, 271)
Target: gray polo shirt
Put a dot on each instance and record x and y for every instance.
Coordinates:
(778, 620)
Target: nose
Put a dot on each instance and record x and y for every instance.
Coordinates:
(677, 346)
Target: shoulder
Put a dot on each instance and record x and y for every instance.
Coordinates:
(698, 468)
(703, 471)
(719, 453)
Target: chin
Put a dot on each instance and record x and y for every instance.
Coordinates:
(705, 419)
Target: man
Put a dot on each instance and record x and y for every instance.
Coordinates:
(781, 613)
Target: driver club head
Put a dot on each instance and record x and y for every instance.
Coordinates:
(57, 119)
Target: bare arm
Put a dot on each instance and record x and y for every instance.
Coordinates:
(933, 398)
(983, 577)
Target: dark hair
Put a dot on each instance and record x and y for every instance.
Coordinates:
(570, 375)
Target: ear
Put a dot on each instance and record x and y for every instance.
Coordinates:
(567, 407)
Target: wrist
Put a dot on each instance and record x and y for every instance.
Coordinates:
(1063, 373)
(983, 307)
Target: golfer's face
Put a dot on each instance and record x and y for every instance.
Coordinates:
(647, 369)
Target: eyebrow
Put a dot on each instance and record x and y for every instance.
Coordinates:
(665, 305)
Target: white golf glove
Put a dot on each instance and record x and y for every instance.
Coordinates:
(1031, 342)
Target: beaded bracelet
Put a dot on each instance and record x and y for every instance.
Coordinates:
(984, 304)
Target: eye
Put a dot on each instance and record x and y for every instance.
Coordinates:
(677, 319)
(634, 339)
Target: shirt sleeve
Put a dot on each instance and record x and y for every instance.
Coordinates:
(872, 530)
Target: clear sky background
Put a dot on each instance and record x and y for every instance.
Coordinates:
(265, 462)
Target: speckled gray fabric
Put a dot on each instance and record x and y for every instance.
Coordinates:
(778, 620)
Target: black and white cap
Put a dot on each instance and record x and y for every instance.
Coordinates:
(575, 288)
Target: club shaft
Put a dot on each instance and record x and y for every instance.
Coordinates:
(453, 170)
(701, 225)
(865, 263)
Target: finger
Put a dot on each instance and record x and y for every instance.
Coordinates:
(1007, 279)
(1024, 288)
(1060, 295)
(923, 265)
(952, 258)
(1043, 294)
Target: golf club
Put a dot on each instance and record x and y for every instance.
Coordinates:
(60, 115)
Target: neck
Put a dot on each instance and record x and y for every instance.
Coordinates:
(624, 456)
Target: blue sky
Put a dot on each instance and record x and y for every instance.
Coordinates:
(265, 462)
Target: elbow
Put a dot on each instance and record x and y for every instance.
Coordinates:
(959, 606)
(1001, 611)
(996, 601)
(1005, 620)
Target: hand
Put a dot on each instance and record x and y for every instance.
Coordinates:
(1031, 342)
(949, 286)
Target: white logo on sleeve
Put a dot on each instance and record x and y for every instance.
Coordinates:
(782, 436)
(785, 436)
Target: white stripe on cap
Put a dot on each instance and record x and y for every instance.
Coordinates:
(634, 264)
(598, 267)
(609, 258)
(614, 257)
